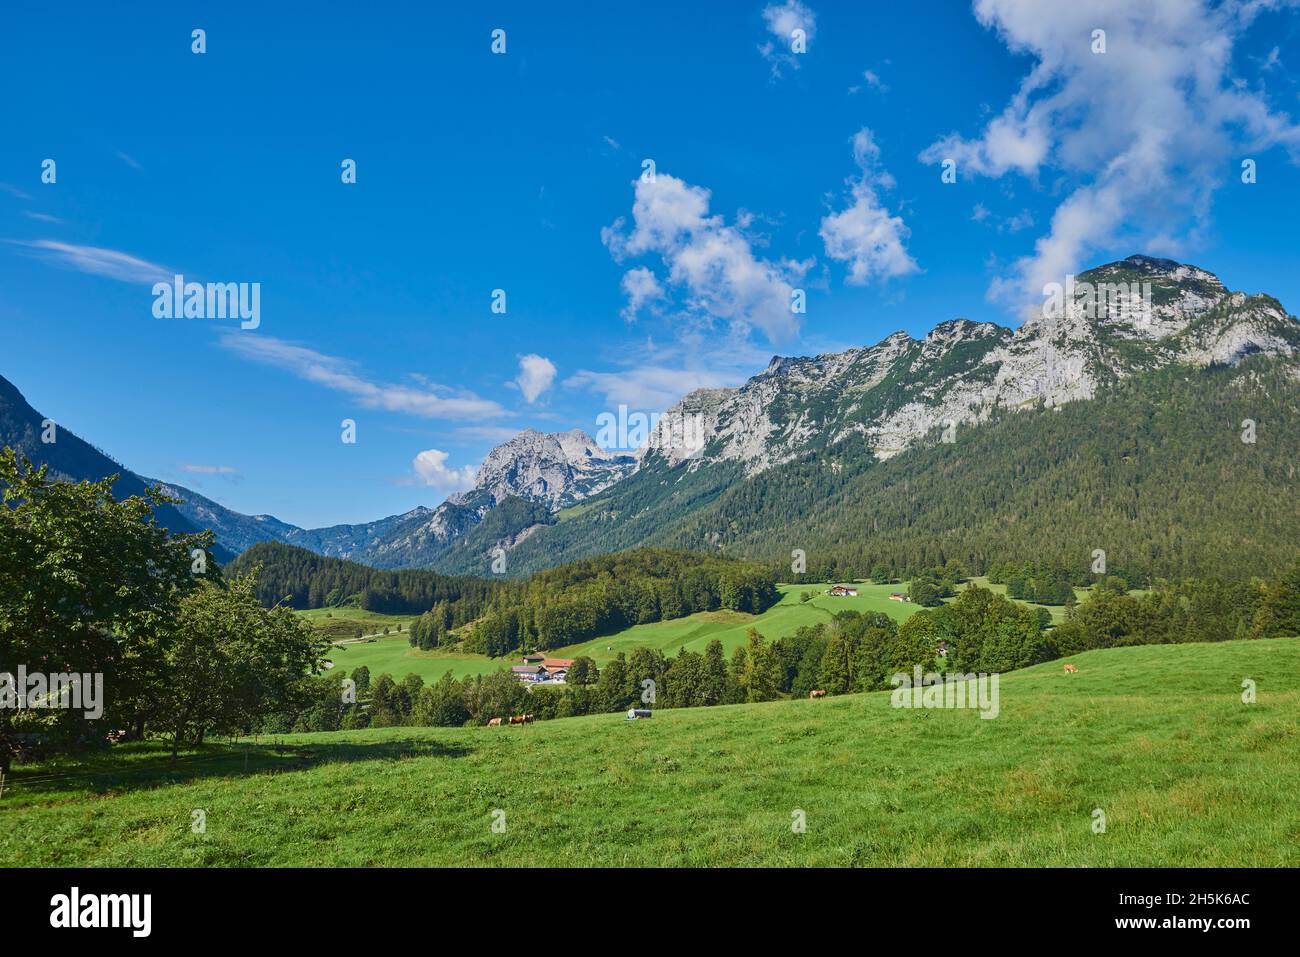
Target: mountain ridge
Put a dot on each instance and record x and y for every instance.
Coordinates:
(887, 398)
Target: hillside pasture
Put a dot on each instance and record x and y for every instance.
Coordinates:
(1155, 738)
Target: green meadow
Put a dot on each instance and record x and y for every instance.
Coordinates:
(394, 655)
(1155, 738)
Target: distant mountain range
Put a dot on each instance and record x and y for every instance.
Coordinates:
(760, 470)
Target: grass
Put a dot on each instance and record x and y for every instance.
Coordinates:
(395, 656)
(1157, 737)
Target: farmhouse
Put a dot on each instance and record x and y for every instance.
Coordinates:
(538, 669)
(899, 596)
(555, 666)
(843, 591)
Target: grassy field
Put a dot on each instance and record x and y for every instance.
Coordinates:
(395, 656)
(784, 618)
(341, 623)
(1155, 737)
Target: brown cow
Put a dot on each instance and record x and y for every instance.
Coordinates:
(819, 693)
(516, 719)
(495, 722)
(1070, 669)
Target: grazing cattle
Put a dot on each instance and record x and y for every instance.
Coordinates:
(1070, 669)
(495, 722)
(516, 719)
(819, 693)
(528, 719)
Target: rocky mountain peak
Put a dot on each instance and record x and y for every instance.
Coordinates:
(554, 470)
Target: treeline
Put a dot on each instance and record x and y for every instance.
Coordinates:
(979, 631)
(137, 627)
(1197, 610)
(600, 596)
(303, 579)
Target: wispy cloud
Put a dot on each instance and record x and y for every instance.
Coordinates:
(496, 434)
(41, 217)
(429, 400)
(128, 160)
(873, 80)
(793, 26)
(96, 261)
(13, 190)
(648, 388)
(196, 469)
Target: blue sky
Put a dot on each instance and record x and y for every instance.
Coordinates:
(522, 171)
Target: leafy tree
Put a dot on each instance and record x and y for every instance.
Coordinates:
(611, 687)
(924, 590)
(361, 677)
(89, 585)
(583, 672)
(231, 660)
(441, 704)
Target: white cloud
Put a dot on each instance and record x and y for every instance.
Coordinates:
(430, 467)
(864, 234)
(711, 264)
(536, 375)
(428, 400)
(641, 287)
(782, 20)
(98, 261)
(41, 217)
(1144, 132)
